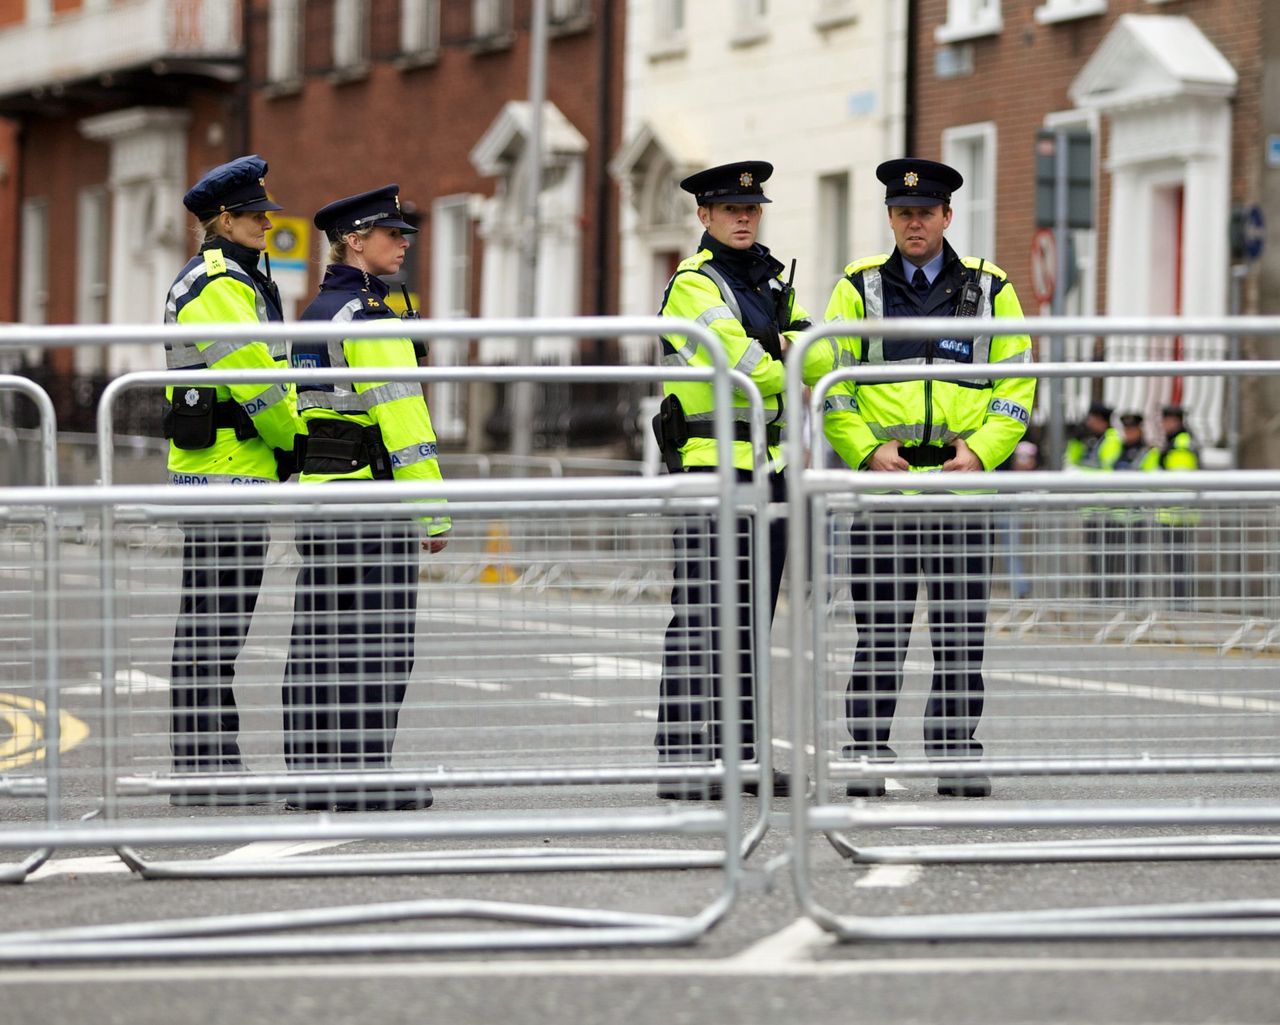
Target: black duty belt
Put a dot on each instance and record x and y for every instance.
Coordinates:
(927, 455)
(741, 432)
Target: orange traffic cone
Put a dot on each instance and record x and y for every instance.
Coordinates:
(498, 571)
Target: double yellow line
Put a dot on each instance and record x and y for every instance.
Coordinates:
(24, 719)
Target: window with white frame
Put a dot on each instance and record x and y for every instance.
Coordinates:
(420, 26)
(968, 19)
(1066, 10)
(562, 11)
(451, 276)
(669, 22)
(350, 34)
(92, 255)
(39, 12)
(831, 13)
(490, 18)
(752, 23)
(34, 303)
(284, 41)
(971, 150)
(834, 228)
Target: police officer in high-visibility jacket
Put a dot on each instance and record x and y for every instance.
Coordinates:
(952, 427)
(238, 434)
(1127, 537)
(352, 645)
(1181, 452)
(733, 285)
(1095, 450)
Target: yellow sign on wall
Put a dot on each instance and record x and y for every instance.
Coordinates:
(288, 242)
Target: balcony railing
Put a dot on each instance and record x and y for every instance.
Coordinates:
(129, 34)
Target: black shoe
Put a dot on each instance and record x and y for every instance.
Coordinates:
(867, 786)
(220, 796)
(678, 791)
(407, 799)
(964, 786)
(308, 802)
(781, 785)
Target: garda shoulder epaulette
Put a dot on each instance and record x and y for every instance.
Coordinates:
(214, 262)
(695, 261)
(987, 267)
(866, 263)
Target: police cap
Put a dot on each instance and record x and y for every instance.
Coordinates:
(238, 186)
(913, 182)
(1131, 419)
(377, 208)
(1177, 411)
(730, 183)
(1100, 409)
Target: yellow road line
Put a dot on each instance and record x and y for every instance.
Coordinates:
(24, 718)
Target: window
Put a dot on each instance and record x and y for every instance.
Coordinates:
(669, 24)
(39, 12)
(971, 150)
(451, 225)
(420, 27)
(92, 257)
(833, 226)
(350, 34)
(968, 19)
(561, 12)
(490, 19)
(284, 41)
(833, 13)
(35, 261)
(752, 22)
(1065, 10)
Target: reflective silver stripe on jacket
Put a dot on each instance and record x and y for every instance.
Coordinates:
(751, 357)
(1006, 407)
(344, 398)
(840, 403)
(914, 432)
(411, 454)
(186, 355)
(741, 414)
(180, 478)
(873, 307)
(726, 293)
(265, 399)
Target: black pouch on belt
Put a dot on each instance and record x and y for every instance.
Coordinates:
(672, 430)
(333, 446)
(189, 421)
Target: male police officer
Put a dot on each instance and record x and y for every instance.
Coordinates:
(732, 285)
(1180, 453)
(239, 434)
(948, 426)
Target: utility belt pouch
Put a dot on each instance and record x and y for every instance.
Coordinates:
(672, 431)
(333, 446)
(243, 423)
(189, 422)
(376, 454)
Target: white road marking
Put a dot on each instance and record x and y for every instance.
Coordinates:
(266, 849)
(97, 864)
(889, 876)
(128, 681)
(790, 943)
(336, 971)
(1148, 692)
(572, 699)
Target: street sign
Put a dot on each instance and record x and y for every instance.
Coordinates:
(1255, 233)
(1044, 264)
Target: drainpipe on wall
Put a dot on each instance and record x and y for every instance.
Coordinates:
(604, 129)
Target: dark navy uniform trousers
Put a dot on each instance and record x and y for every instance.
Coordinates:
(351, 650)
(221, 573)
(690, 716)
(888, 561)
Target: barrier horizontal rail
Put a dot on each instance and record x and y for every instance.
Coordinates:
(1047, 654)
(135, 538)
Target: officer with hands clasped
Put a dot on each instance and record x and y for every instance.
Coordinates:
(352, 645)
(952, 427)
(237, 434)
(733, 285)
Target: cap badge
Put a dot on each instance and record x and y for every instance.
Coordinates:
(745, 179)
(911, 179)
(397, 199)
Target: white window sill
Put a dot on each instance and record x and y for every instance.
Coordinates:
(749, 35)
(829, 19)
(282, 87)
(676, 46)
(413, 59)
(958, 33)
(1051, 13)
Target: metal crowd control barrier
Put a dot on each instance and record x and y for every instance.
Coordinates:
(1108, 609)
(29, 669)
(138, 547)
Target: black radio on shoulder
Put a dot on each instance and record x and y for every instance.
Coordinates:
(970, 297)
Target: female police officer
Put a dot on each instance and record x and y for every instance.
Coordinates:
(239, 434)
(352, 646)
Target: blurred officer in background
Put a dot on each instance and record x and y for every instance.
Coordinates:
(238, 434)
(351, 651)
(1177, 524)
(1127, 537)
(1095, 450)
(953, 427)
(733, 285)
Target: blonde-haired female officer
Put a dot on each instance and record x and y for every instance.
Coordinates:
(353, 630)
